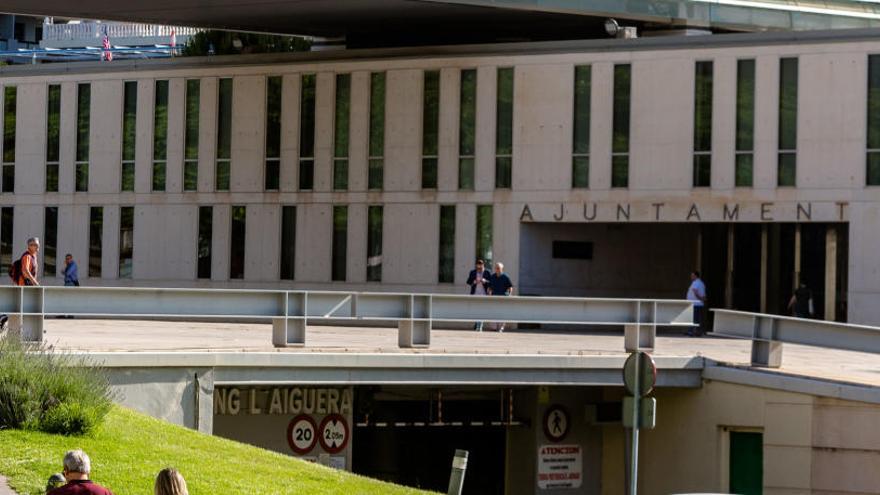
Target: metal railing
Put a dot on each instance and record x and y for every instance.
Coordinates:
(291, 311)
(769, 332)
(94, 32)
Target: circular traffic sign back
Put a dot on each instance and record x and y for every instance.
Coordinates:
(302, 434)
(333, 433)
(556, 423)
(647, 374)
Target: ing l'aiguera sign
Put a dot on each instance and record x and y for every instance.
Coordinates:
(687, 211)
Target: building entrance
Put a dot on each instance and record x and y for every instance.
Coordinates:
(746, 266)
(408, 436)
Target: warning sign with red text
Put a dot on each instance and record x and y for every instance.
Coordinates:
(560, 466)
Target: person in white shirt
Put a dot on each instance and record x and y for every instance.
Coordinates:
(697, 293)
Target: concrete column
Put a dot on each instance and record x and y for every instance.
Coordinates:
(723, 122)
(601, 110)
(830, 272)
(766, 121)
(484, 160)
(220, 232)
(105, 130)
(403, 136)
(176, 123)
(262, 242)
(359, 131)
(248, 169)
(764, 256)
(728, 278)
(208, 94)
(356, 263)
(447, 149)
(143, 153)
(325, 101)
(30, 139)
(797, 257)
(110, 247)
(465, 241)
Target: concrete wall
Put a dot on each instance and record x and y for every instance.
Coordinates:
(831, 161)
(811, 444)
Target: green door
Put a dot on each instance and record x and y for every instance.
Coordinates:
(746, 462)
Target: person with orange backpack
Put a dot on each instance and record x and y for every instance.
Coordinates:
(24, 270)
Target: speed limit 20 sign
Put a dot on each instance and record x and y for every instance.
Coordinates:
(302, 434)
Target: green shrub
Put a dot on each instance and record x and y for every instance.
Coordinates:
(42, 389)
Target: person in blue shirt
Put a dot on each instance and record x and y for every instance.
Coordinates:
(500, 285)
(71, 272)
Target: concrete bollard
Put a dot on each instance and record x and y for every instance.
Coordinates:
(456, 477)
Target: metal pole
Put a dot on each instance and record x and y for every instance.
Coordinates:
(634, 456)
(456, 477)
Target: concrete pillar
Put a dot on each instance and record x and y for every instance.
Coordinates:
(728, 278)
(764, 255)
(830, 272)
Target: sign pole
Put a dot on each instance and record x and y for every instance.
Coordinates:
(634, 455)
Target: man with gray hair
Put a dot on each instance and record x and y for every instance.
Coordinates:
(77, 467)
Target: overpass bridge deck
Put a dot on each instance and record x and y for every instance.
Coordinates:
(249, 344)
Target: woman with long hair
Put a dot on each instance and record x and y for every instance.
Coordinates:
(169, 481)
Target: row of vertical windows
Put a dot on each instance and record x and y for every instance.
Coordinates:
(702, 147)
(238, 216)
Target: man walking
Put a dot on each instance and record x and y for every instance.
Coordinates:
(478, 281)
(802, 302)
(26, 269)
(71, 272)
(500, 285)
(697, 293)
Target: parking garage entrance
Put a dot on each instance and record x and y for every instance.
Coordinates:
(746, 266)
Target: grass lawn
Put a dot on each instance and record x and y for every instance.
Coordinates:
(130, 448)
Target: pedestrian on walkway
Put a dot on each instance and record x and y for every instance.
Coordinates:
(478, 281)
(802, 302)
(169, 481)
(697, 294)
(77, 467)
(24, 270)
(500, 285)
(71, 272)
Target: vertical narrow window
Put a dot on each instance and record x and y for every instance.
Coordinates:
(745, 122)
(237, 240)
(96, 240)
(129, 134)
(83, 119)
(430, 127)
(580, 153)
(620, 127)
(224, 135)
(160, 135)
(10, 94)
(484, 233)
(191, 136)
(340, 132)
(374, 243)
(504, 128)
(446, 273)
(6, 229)
(788, 95)
(126, 241)
(703, 124)
(53, 136)
(50, 241)
(206, 236)
(467, 124)
(376, 161)
(872, 177)
(340, 242)
(273, 133)
(288, 242)
(307, 132)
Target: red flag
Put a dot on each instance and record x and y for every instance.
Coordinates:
(106, 54)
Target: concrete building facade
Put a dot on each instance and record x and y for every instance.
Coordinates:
(588, 168)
